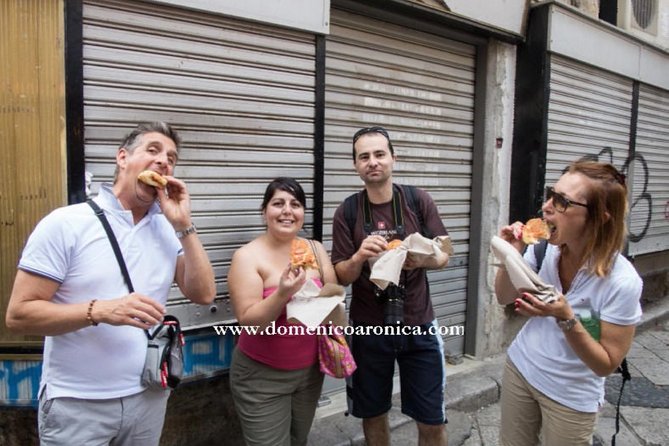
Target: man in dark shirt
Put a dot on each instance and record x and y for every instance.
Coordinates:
(418, 351)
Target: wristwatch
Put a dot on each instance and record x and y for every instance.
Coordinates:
(566, 324)
(189, 230)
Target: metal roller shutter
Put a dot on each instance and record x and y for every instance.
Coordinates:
(589, 113)
(649, 226)
(241, 94)
(420, 87)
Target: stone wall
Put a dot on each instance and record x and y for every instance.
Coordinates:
(201, 414)
(18, 426)
(654, 269)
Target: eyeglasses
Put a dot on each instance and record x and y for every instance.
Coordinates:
(560, 202)
(367, 130)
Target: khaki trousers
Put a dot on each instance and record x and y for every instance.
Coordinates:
(275, 407)
(528, 415)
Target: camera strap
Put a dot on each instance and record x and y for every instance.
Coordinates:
(398, 220)
(403, 279)
(398, 215)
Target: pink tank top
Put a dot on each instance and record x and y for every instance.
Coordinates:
(281, 351)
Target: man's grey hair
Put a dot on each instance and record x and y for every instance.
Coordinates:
(132, 139)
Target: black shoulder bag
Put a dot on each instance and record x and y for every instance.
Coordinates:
(163, 366)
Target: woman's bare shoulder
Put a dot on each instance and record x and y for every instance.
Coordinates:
(249, 252)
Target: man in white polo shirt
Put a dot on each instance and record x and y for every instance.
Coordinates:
(70, 289)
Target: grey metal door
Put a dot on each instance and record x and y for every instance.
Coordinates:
(589, 113)
(240, 93)
(649, 223)
(419, 86)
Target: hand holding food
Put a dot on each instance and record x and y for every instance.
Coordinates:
(291, 282)
(535, 230)
(393, 244)
(152, 179)
(301, 255)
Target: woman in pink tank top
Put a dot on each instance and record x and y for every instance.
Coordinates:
(274, 377)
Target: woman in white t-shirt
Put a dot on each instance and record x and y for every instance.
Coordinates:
(553, 382)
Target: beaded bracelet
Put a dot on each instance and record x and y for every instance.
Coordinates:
(89, 313)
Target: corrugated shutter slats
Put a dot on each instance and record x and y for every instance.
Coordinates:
(421, 88)
(650, 193)
(241, 95)
(589, 111)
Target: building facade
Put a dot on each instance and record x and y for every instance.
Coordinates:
(485, 106)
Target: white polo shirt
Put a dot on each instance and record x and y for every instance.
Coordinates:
(71, 247)
(541, 352)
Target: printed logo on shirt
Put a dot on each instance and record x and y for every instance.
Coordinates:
(388, 234)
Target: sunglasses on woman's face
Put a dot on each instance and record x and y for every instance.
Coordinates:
(560, 202)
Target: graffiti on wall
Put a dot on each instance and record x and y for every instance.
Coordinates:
(207, 354)
(19, 382)
(641, 202)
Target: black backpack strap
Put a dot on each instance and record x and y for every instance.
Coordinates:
(624, 371)
(351, 211)
(540, 252)
(412, 201)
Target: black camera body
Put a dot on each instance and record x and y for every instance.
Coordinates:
(393, 304)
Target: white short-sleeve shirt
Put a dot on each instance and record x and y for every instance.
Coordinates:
(71, 247)
(541, 352)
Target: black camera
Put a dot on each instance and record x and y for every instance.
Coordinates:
(393, 304)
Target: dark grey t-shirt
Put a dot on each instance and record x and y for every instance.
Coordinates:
(365, 309)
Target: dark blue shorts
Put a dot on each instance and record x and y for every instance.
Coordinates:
(422, 374)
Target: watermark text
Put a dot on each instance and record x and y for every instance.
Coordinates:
(360, 330)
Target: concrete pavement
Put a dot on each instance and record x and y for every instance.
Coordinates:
(472, 399)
